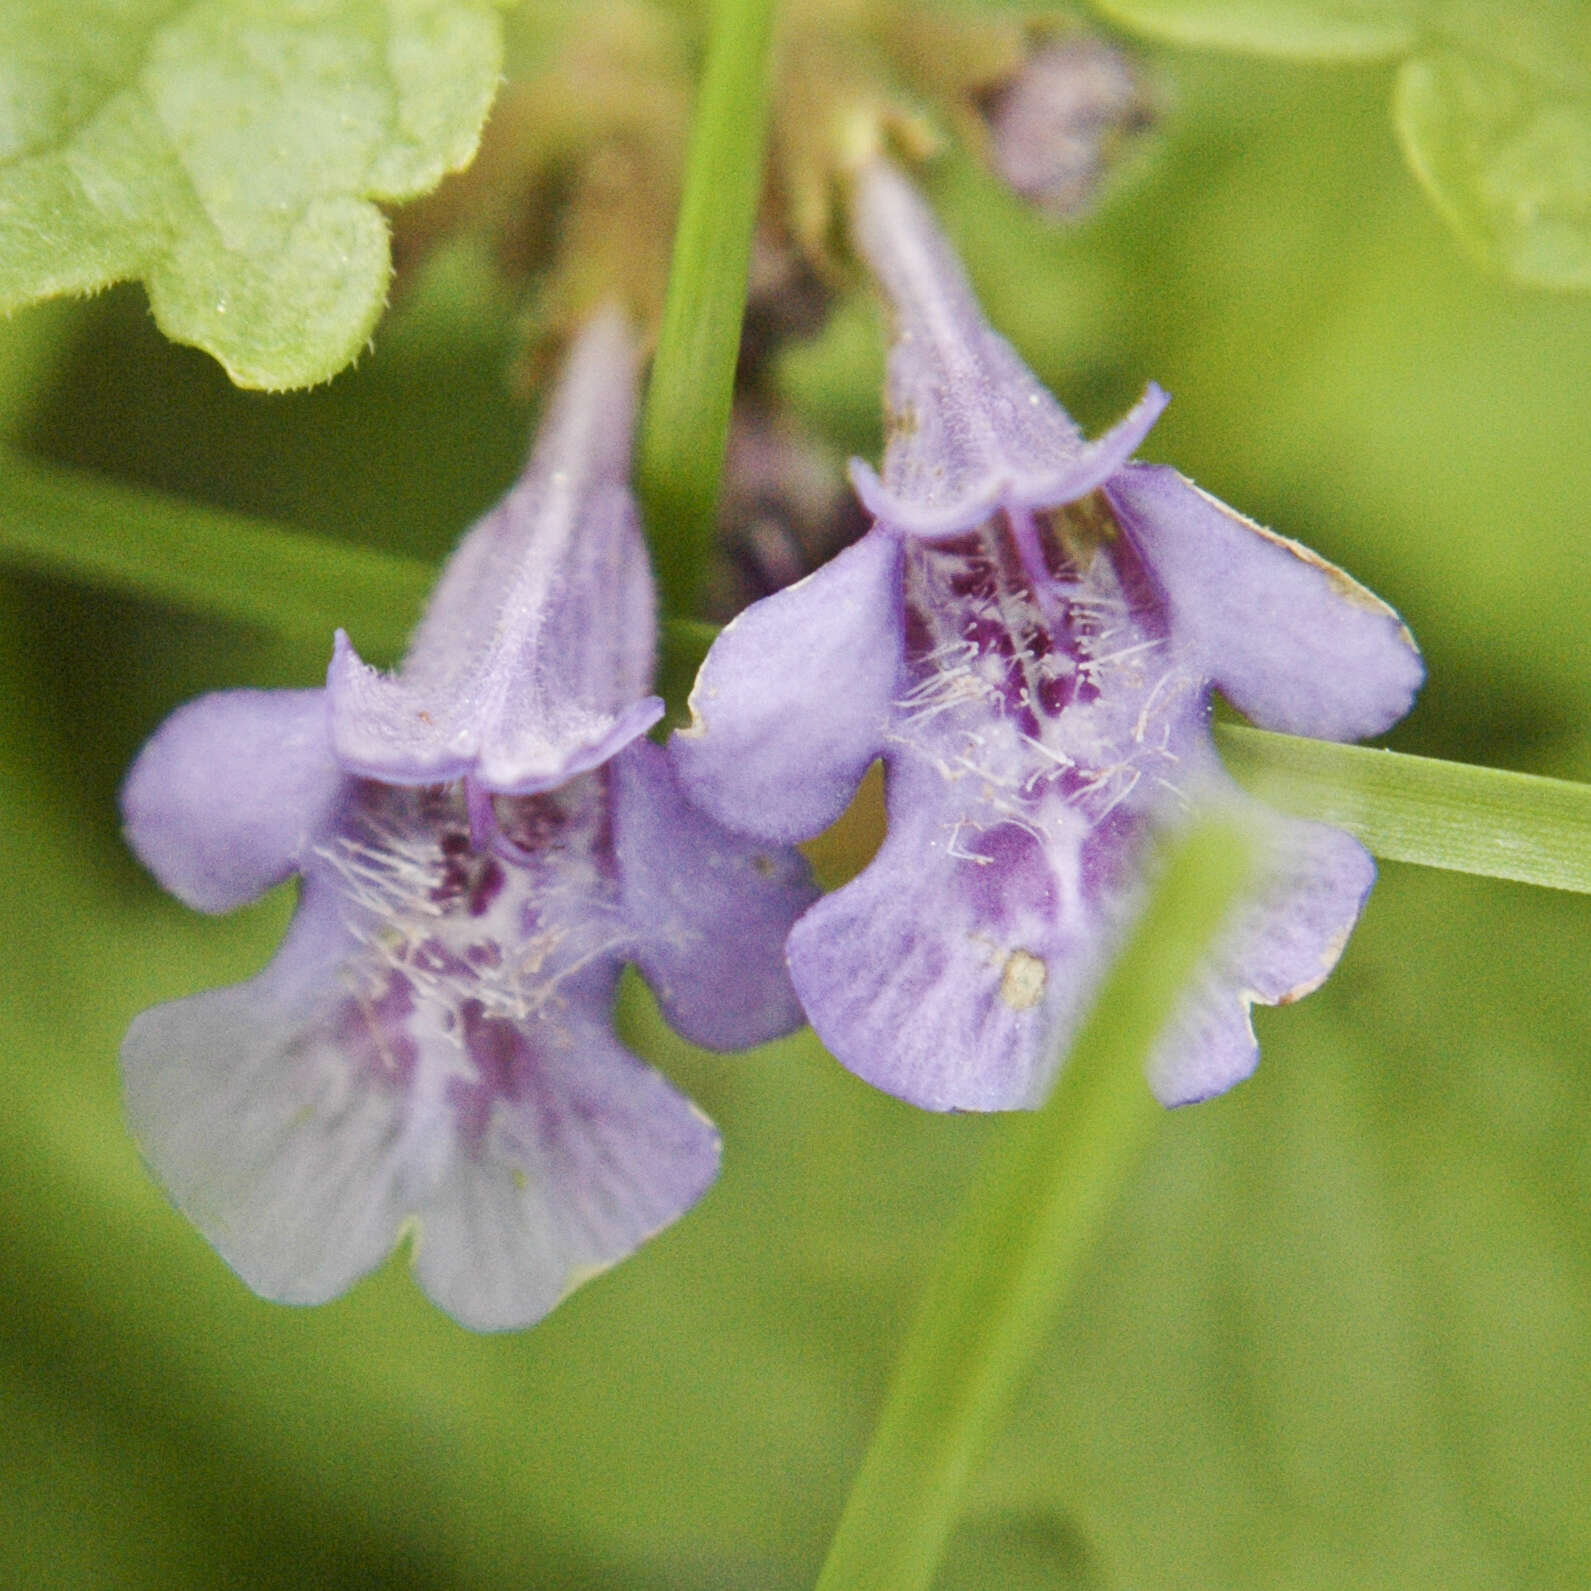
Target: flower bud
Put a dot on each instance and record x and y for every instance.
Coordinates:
(1060, 122)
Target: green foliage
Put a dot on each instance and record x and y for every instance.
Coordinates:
(220, 565)
(1492, 105)
(228, 153)
(1419, 809)
(1505, 153)
(1309, 29)
(1335, 1334)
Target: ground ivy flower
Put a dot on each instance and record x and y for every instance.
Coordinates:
(1028, 637)
(484, 839)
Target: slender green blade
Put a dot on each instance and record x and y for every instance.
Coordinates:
(686, 423)
(1420, 809)
(225, 565)
(1027, 1229)
(205, 560)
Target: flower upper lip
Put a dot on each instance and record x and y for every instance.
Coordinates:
(972, 429)
(534, 659)
(1008, 485)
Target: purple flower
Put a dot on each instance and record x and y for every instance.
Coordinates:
(484, 840)
(1028, 636)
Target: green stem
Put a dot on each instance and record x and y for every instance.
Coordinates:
(1028, 1228)
(686, 421)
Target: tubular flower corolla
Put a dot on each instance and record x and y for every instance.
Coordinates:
(484, 840)
(1028, 637)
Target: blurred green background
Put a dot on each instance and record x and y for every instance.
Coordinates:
(1339, 1334)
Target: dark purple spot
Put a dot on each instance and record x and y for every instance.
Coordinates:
(919, 633)
(1015, 882)
(466, 876)
(439, 960)
(532, 822)
(509, 1070)
(1112, 854)
(500, 1055)
(487, 886)
(1056, 695)
(371, 1030)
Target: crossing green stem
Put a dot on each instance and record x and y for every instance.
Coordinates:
(685, 423)
(1028, 1228)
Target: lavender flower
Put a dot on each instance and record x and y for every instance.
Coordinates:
(484, 840)
(1028, 636)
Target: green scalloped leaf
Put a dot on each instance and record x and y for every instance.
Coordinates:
(1492, 107)
(1503, 147)
(229, 153)
(1332, 30)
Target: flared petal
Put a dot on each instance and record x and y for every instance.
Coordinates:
(953, 973)
(382, 734)
(587, 1154)
(275, 1126)
(1207, 1047)
(534, 659)
(228, 794)
(970, 427)
(1052, 716)
(709, 909)
(304, 1119)
(946, 972)
(1295, 643)
(1282, 944)
(794, 698)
